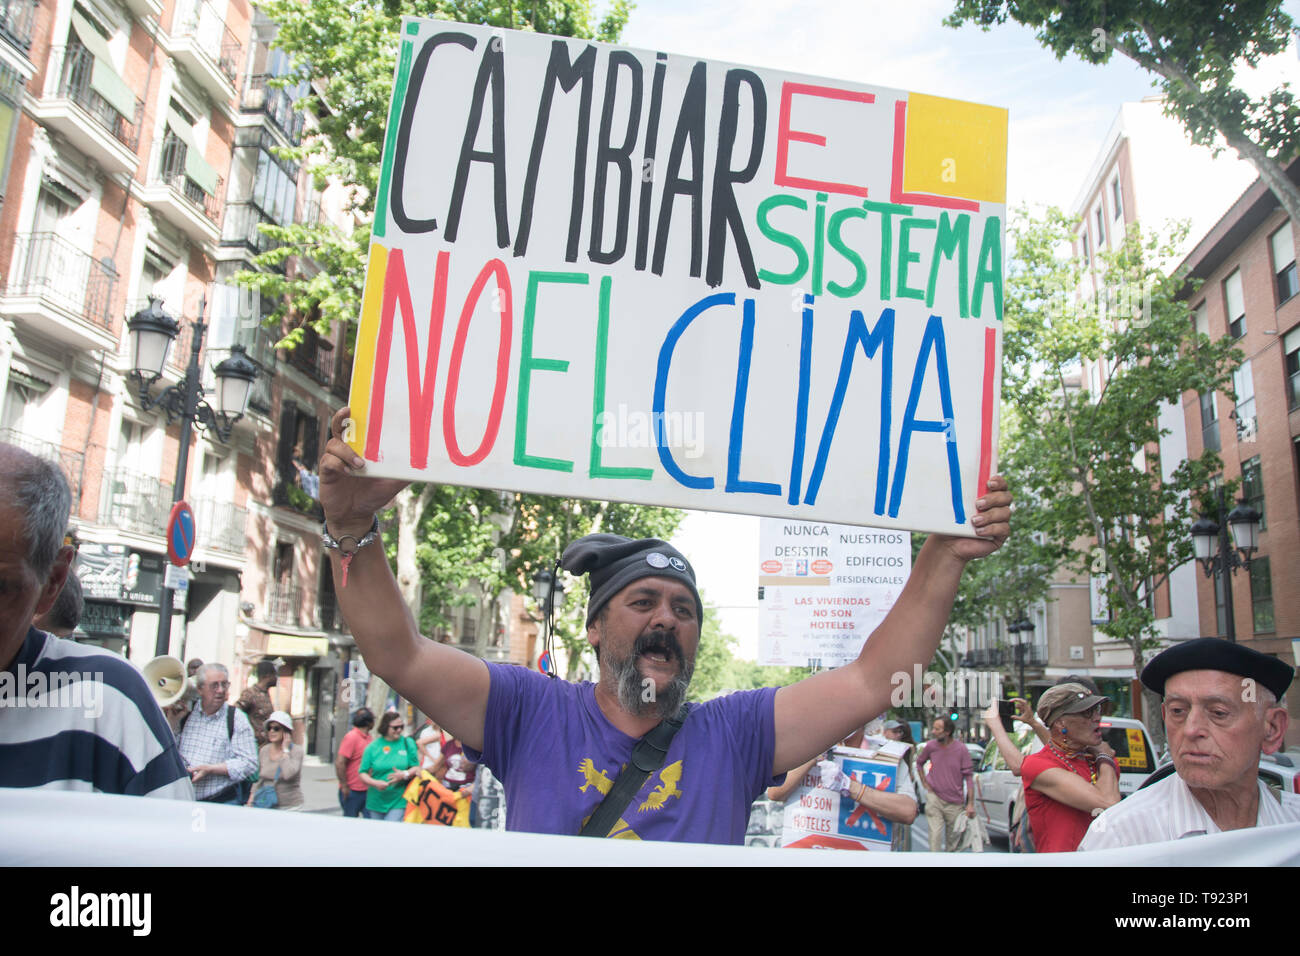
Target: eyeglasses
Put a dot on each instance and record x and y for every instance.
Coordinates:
(397, 726)
(1089, 714)
(276, 727)
(221, 684)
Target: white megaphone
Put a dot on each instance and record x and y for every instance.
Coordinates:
(167, 679)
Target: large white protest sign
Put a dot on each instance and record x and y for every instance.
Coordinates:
(823, 588)
(626, 275)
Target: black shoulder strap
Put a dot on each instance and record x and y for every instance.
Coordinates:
(647, 757)
(230, 721)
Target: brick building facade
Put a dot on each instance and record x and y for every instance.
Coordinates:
(1249, 291)
(138, 160)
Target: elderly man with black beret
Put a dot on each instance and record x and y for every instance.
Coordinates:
(624, 758)
(1221, 710)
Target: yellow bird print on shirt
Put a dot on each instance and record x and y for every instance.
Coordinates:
(667, 788)
(594, 778)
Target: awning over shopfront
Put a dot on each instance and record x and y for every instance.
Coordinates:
(287, 645)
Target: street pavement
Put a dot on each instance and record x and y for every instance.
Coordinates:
(320, 787)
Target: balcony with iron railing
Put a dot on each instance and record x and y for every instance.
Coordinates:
(330, 614)
(284, 604)
(75, 66)
(69, 462)
(199, 22)
(66, 291)
(1035, 655)
(311, 212)
(18, 21)
(275, 103)
(135, 502)
(341, 386)
(240, 228)
(171, 172)
(314, 356)
(220, 525)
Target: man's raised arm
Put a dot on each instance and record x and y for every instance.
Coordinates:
(823, 709)
(443, 682)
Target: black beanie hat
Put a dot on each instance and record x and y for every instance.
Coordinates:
(613, 562)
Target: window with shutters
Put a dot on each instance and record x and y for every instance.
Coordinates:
(1201, 320)
(11, 98)
(1243, 384)
(1291, 349)
(1282, 244)
(1210, 423)
(1261, 596)
(1252, 487)
(1235, 304)
(297, 459)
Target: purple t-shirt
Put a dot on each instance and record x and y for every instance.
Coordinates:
(557, 755)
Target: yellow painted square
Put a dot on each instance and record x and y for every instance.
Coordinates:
(955, 149)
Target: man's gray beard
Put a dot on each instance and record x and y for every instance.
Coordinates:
(667, 702)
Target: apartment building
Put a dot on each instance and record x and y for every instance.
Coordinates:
(1145, 172)
(1247, 267)
(138, 161)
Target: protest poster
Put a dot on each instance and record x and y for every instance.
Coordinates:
(629, 275)
(821, 818)
(823, 588)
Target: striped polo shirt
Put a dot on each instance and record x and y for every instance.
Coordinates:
(74, 717)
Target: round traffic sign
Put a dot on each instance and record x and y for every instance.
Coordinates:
(180, 534)
(544, 662)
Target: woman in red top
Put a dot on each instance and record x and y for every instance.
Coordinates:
(1074, 777)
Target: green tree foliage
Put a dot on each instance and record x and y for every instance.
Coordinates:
(346, 50)
(1086, 464)
(718, 670)
(1016, 576)
(1195, 48)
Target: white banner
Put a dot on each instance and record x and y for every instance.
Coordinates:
(52, 828)
(824, 588)
(627, 275)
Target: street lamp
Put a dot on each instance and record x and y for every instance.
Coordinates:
(152, 332)
(1216, 555)
(1024, 626)
(548, 592)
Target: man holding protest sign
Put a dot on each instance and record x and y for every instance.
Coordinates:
(559, 747)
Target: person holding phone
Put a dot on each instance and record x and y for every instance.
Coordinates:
(1075, 777)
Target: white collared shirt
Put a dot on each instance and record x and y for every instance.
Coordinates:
(1168, 810)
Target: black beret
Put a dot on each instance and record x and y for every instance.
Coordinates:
(614, 562)
(1216, 654)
